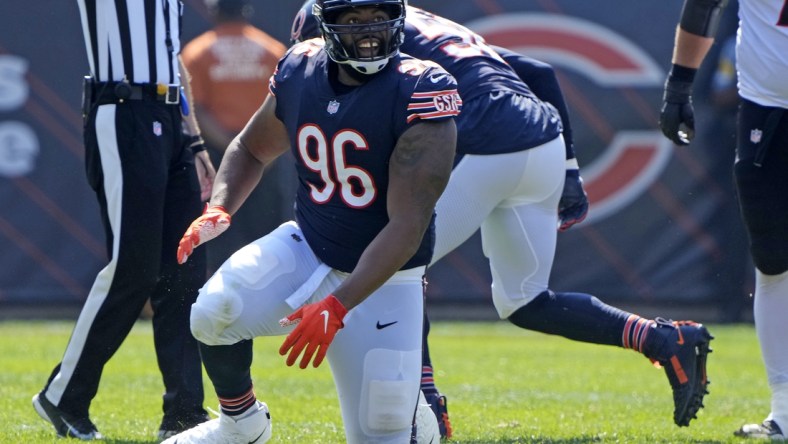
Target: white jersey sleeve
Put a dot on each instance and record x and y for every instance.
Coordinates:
(762, 52)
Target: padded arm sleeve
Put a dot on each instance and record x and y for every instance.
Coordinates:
(702, 17)
(540, 78)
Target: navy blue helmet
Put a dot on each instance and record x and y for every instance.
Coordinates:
(304, 24)
(318, 18)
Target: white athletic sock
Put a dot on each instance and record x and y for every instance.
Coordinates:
(770, 311)
(780, 405)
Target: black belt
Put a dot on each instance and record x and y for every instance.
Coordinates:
(119, 92)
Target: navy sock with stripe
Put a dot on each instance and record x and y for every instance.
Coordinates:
(582, 317)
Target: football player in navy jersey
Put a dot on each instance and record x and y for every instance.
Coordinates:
(373, 135)
(517, 179)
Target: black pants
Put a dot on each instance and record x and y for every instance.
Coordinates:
(761, 171)
(148, 192)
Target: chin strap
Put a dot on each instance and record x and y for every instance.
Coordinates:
(357, 75)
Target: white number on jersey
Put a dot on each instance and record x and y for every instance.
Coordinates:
(329, 163)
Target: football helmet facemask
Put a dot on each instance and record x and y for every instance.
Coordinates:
(389, 33)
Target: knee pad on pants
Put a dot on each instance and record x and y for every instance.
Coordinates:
(388, 405)
(212, 314)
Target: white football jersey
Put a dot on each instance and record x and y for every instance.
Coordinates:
(762, 52)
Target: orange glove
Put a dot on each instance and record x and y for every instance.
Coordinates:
(319, 322)
(213, 222)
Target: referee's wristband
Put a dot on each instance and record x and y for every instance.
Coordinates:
(196, 144)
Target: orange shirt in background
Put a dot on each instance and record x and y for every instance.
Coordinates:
(230, 66)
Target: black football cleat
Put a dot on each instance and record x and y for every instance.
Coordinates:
(171, 426)
(66, 425)
(683, 356)
(439, 406)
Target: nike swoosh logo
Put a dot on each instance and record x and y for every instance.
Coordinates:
(382, 326)
(437, 78)
(258, 436)
(324, 313)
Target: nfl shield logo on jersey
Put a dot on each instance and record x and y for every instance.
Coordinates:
(157, 128)
(755, 135)
(333, 107)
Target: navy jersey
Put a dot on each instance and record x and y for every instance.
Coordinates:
(486, 83)
(342, 139)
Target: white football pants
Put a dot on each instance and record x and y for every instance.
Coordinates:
(375, 358)
(514, 198)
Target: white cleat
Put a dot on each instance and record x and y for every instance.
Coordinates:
(253, 427)
(768, 429)
(426, 423)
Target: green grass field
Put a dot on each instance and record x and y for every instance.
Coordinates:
(504, 385)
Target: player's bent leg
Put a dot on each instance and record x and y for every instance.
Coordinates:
(245, 298)
(383, 411)
(520, 263)
(681, 348)
(376, 362)
(253, 289)
(519, 236)
(576, 316)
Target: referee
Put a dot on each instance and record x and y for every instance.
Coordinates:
(147, 175)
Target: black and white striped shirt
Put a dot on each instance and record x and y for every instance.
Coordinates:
(138, 40)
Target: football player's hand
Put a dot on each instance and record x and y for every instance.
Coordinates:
(573, 206)
(317, 325)
(677, 117)
(213, 222)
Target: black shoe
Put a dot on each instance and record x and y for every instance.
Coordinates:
(768, 429)
(683, 356)
(171, 426)
(66, 425)
(439, 406)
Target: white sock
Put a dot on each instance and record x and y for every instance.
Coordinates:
(770, 310)
(780, 405)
